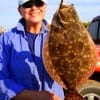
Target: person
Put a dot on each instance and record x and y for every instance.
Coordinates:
(22, 72)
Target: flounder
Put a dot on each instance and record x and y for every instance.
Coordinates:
(69, 53)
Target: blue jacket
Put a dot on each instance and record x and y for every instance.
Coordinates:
(19, 68)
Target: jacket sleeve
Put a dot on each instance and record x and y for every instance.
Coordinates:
(8, 87)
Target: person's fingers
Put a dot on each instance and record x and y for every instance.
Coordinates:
(55, 97)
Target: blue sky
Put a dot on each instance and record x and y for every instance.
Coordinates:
(86, 9)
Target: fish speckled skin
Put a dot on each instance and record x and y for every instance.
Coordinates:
(69, 53)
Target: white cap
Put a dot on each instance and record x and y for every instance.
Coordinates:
(21, 2)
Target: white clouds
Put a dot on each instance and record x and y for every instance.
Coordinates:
(87, 13)
(84, 1)
(87, 9)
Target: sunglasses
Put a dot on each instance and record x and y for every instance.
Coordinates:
(37, 3)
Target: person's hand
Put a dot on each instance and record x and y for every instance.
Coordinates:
(45, 95)
(36, 95)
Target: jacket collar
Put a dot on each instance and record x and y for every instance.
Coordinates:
(21, 26)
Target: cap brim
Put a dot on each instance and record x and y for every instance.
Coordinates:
(21, 2)
(45, 1)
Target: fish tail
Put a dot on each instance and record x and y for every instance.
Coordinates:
(73, 96)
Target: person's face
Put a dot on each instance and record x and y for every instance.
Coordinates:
(33, 12)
